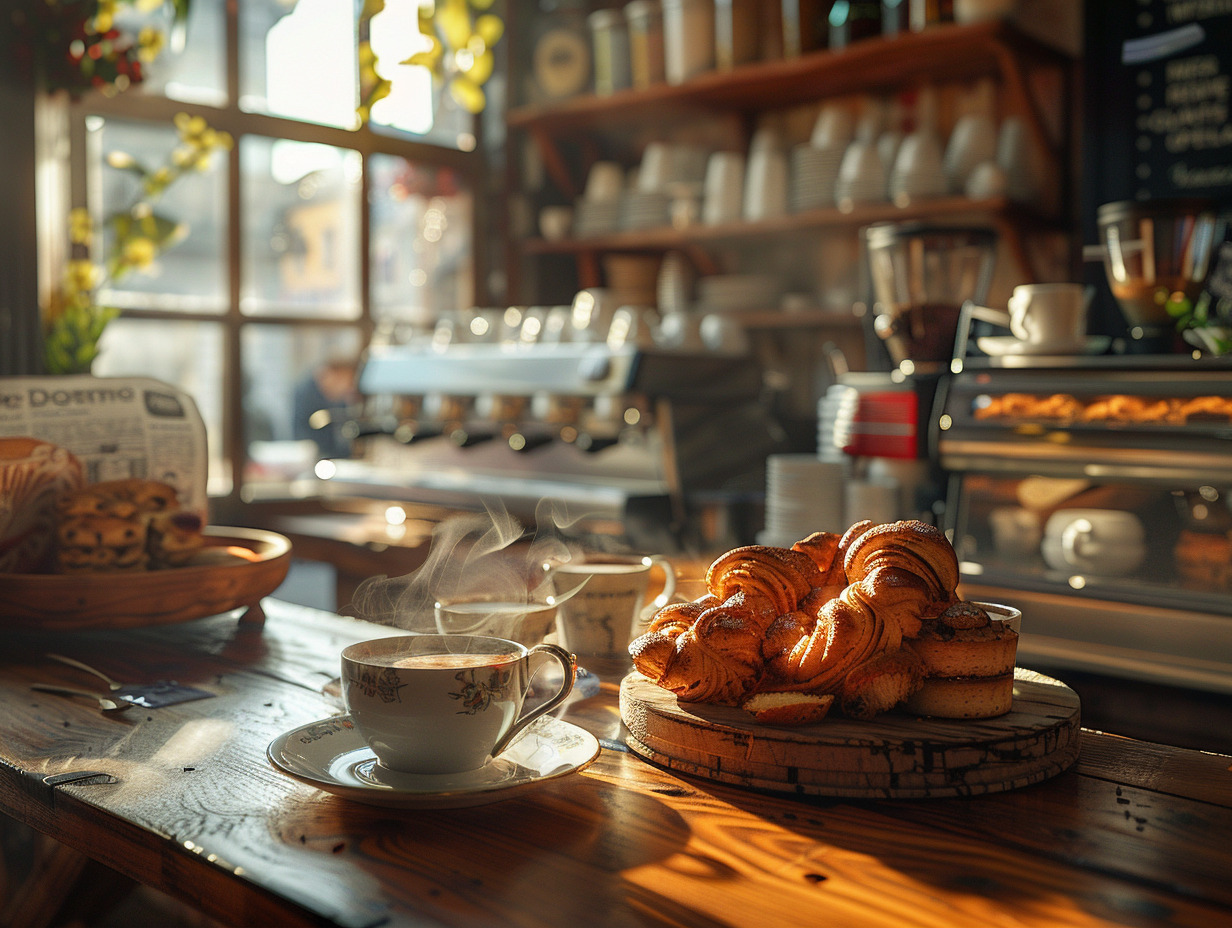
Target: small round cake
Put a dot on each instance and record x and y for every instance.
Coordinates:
(963, 697)
(969, 665)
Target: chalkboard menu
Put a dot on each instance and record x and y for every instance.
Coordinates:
(1158, 108)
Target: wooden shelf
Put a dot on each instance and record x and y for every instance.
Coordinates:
(941, 54)
(667, 238)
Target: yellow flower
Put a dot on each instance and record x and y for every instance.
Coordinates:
(150, 42)
(82, 278)
(459, 49)
(104, 19)
(139, 252)
(80, 226)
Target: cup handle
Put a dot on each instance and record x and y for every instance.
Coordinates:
(669, 582)
(569, 664)
(1076, 540)
(988, 314)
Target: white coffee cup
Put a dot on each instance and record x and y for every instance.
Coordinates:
(1049, 314)
(605, 181)
(600, 600)
(525, 621)
(1106, 542)
(443, 703)
(723, 199)
(556, 222)
(765, 184)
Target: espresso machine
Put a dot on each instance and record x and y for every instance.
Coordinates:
(659, 445)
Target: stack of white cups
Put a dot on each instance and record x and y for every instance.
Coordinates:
(804, 494)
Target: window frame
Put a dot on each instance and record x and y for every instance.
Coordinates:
(139, 107)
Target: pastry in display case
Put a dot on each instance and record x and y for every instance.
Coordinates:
(1096, 495)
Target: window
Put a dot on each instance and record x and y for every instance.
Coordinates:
(314, 228)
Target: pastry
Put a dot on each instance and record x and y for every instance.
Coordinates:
(34, 476)
(828, 616)
(1204, 559)
(968, 662)
(130, 524)
(788, 708)
(962, 697)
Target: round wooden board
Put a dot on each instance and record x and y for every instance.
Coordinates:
(895, 756)
(236, 568)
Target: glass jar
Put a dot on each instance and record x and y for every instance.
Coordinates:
(926, 13)
(688, 38)
(852, 20)
(610, 41)
(895, 17)
(645, 19)
(735, 33)
(806, 26)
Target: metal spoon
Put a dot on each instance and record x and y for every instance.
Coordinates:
(73, 662)
(105, 703)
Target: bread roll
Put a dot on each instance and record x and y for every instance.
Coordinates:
(34, 476)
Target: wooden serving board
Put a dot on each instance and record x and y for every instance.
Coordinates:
(894, 756)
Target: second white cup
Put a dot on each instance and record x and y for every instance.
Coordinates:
(604, 611)
(1049, 314)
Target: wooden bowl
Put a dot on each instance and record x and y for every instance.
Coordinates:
(237, 567)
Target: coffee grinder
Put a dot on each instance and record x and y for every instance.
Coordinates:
(921, 277)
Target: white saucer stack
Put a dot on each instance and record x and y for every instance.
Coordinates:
(734, 292)
(835, 415)
(643, 209)
(596, 217)
(814, 172)
(804, 494)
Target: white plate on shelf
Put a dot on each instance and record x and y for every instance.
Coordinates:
(1002, 346)
(331, 755)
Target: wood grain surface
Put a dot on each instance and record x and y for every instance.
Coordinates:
(893, 756)
(184, 800)
(237, 567)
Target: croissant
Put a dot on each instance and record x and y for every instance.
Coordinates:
(716, 658)
(800, 619)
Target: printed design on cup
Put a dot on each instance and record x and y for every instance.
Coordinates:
(325, 729)
(478, 695)
(383, 685)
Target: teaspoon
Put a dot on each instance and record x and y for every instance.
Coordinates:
(73, 662)
(105, 703)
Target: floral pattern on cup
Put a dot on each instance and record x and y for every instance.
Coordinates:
(478, 695)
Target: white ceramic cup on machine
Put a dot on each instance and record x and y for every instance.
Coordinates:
(1049, 314)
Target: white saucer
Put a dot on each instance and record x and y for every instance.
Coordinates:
(331, 755)
(999, 346)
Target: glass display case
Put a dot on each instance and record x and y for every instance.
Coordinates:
(1096, 495)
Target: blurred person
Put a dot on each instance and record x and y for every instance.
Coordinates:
(323, 402)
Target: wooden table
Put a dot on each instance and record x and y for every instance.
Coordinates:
(184, 800)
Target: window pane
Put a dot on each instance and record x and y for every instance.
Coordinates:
(421, 241)
(194, 71)
(299, 389)
(188, 355)
(188, 274)
(301, 229)
(299, 60)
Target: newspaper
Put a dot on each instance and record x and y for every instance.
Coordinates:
(117, 427)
